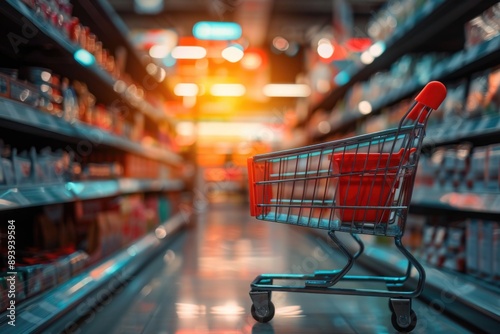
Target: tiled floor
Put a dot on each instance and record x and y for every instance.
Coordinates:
(201, 284)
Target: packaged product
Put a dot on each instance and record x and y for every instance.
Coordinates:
(4, 85)
(492, 99)
(493, 166)
(22, 164)
(472, 246)
(486, 249)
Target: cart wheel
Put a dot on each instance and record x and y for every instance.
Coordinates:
(407, 329)
(268, 313)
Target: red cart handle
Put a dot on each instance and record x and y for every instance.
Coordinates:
(431, 96)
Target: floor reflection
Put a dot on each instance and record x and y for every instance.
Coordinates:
(201, 285)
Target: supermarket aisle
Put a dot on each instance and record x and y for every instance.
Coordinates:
(201, 284)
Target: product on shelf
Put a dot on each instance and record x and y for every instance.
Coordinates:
(94, 171)
(70, 102)
(7, 176)
(483, 27)
(476, 99)
(493, 166)
(482, 249)
(7, 281)
(455, 249)
(485, 266)
(4, 85)
(452, 109)
(438, 245)
(25, 93)
(476, 178)
(492, 99)
(23, 166)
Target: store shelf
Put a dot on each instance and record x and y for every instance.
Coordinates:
(100, 16)
(478, 131)
(466, 203)
(472, 301)
(101, 280)
(430, 25)
(43, 45)
(32, 121)
(16, 197)
(449, 292)
(461, 64)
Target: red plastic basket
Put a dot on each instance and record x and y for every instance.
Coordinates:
(367, 180)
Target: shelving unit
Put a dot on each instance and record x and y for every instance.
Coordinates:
(437, 20)
(438, 27)
(100, 280)
(100, 17)
(33, 41)
(461, 64)
(32, 121)
(46, 194)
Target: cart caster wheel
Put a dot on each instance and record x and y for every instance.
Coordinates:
(411, 326)
(263, 315)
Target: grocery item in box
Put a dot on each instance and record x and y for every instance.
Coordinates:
(496, 252)
(70, 102)
(22, 164)
(486, 249)
(7, 281)
(483, 27)
(4, 299)
(4, 85)
(34, 279)
(78, 261)
(455, 250)
(453, 106)
(63, 269)
(492, 99)
(438, 256)
(476, 177)
(427, 238)
(6, 167)
(493, 168)
(472, 246)
(47, 274)
(477, 95)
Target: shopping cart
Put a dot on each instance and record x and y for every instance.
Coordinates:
(359, 185)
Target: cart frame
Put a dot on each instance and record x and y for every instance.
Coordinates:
(358, 185)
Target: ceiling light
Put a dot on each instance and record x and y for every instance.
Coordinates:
(377, 49)
(233, 53)
(186, 89)
(159, 51)
(228, 90)
(280, 43)
(367, 58)
(365, 107)
(151, 68)
(84, 57)
(220, 31)
(251, 61)
(324, 127)
(189, 52)
(325, 50)
(287, 90)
